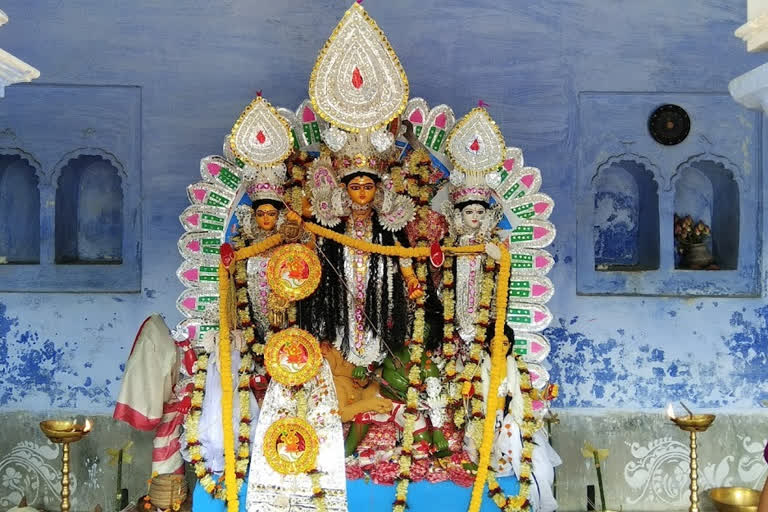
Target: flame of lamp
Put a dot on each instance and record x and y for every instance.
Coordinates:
(64, 432)
(692, 424)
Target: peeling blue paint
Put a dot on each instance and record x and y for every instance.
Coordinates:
(616, 228)
(749, 345)
(150, 293)
(32, 366)
(615, 373)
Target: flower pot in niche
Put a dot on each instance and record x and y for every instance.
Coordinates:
(697, 255)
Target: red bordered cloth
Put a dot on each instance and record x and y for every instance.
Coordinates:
(146, 400)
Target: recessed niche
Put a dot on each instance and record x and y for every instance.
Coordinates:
(89, 212)
(19, 211)
(626, 218)
(707, 191)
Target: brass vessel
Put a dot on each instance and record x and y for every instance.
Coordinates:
(694, 423)
(735, 499)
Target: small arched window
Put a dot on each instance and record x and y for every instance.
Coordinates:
(626, 218)
(89, 212)
(707, 191)
(19, 211)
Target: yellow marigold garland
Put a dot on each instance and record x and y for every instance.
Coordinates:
(192, 426)
(274, 240)
(499, 347)
(386, 250)
(225, 362)
(412, 396)
(519, 502)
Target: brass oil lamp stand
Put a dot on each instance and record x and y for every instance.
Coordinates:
(64, 432)
(692, 424)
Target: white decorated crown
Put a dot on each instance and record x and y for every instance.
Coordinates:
(477, 150)
(261, 140)
(265, 183)
(357, 82)
(261, 137)
(359, 155)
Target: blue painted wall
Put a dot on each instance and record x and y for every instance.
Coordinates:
(200, 63)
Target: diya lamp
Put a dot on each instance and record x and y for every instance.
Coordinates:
(692, 423)
(65, 432)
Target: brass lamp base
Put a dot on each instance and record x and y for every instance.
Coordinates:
(694, 423)
(64, 432)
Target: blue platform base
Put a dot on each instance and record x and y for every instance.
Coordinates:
(370, 497)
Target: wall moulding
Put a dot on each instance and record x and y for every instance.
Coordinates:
(48, 122)
(754, 33)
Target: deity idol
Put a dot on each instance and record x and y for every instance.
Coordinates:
(360, 306)
(477, 150)
(373, 303)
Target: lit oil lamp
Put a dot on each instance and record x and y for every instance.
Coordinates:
(692, 423)
(64, 432)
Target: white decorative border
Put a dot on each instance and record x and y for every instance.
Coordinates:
(32, 470)
(660, 470)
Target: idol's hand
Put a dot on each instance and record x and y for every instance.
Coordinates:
(493, 251)
(414, 288)
(359, 373)
(292, 216)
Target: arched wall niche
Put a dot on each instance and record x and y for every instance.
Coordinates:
(696, 177)
(89, 209)
(625, 221)
(20, 176)
(706, 187)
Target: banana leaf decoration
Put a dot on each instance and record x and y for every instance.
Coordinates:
(114, 454)
(596, 454)
(118, 457)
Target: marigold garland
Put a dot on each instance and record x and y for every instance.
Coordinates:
(412, 397)
(499, 347)
(192, 426)
(386, 250)
(230, 477)
(416, 349)
(225, 362)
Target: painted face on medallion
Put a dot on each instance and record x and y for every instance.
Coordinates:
(473, 215)
(361, 190)
(266, 217)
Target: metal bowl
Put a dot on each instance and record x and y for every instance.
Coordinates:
(695, 423)
(62, 431)
(735, 499)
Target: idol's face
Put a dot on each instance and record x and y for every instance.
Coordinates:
(361, 190)
(472, 216)
(266, 217)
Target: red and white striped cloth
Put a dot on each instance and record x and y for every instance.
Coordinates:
(147, 400)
